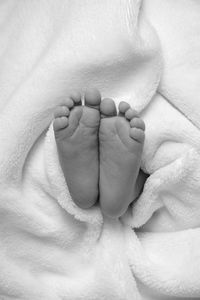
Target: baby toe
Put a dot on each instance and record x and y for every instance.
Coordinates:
(123, 107)
(137, 123)
(76, 98)
(130, 114)
(60, 123)
(137, 134)
(61, 111)
(68, 102)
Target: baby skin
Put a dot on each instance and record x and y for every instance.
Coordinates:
(100, 151)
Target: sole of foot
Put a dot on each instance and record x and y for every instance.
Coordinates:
(121, 140)
(76, 131)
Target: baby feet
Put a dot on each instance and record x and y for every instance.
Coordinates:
(121, 139)
(100, 158)
(76, 134)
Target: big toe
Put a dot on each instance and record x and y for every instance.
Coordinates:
(92, 98)
(108, 108)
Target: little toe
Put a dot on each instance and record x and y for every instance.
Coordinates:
(137, 123)
(61, 111)
(131, 113)
(76, 97)
(108, 108)
(60, 123)
(92, 98)
(123, 107)
(137, 134)
(68, 102)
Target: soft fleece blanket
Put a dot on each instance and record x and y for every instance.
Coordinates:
(146, 53)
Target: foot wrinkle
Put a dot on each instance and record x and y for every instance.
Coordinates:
(97, 107)
(128, 148)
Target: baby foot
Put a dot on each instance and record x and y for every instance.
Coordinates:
(76, 134)
(121, 139)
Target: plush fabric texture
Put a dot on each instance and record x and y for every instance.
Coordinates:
(146, 53)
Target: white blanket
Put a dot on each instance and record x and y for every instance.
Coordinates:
(146, 53)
